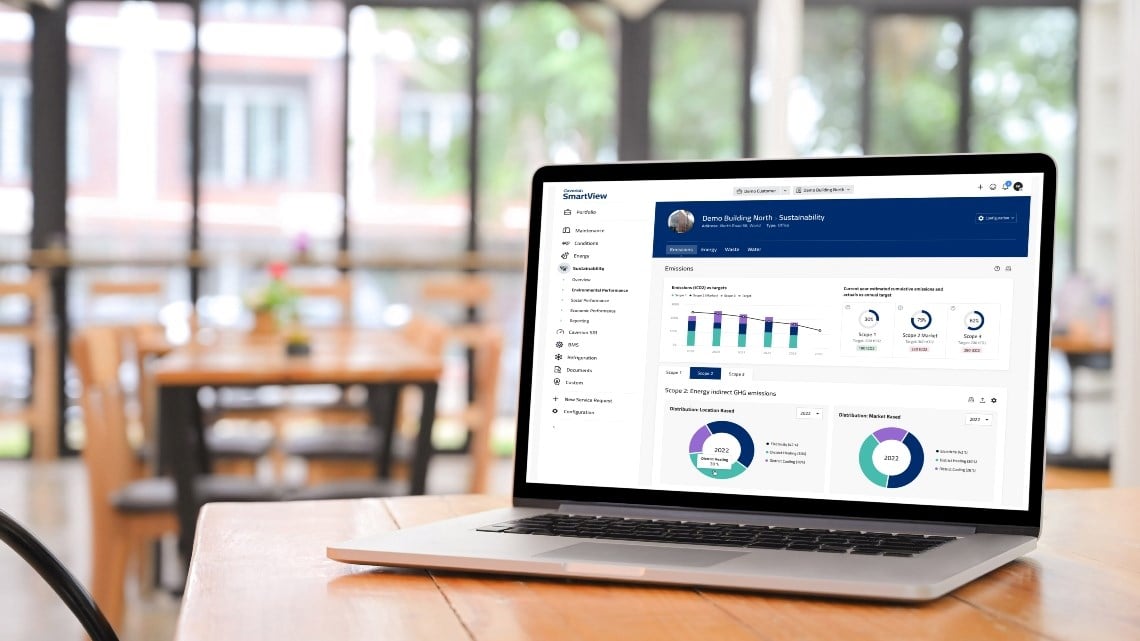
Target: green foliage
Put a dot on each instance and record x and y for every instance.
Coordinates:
(696, 89)
(547, 82)
(439, 65)
(277, 297)
(1025, 64)
(832, 65)
(1023, 67)
(915, 91)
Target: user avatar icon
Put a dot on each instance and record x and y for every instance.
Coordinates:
(681, 221)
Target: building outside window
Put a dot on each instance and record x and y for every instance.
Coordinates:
(254, 134)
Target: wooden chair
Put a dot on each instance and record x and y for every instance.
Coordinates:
(465, 290)
(42, 413)
(349, 452)
(120, 527)
(127, 512)
(339, 291)
(485, 344)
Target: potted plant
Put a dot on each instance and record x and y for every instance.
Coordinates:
(275, 302)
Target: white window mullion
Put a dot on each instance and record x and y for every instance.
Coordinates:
(12, 136)
(233, 139)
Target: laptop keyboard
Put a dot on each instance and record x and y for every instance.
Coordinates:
(722, 534)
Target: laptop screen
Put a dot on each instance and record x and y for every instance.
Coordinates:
(859, 338)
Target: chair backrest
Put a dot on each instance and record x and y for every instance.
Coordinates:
(111, 301)
(107, 452)
(97, 353)
(467, 290)
(146, 288)
(427, 333)
(35, 289)
(488, 347)
(339, 291)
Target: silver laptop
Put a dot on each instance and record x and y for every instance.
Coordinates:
(820, 376)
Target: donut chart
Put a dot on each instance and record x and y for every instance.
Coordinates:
(975, 320)
(921, 320)
(891, 457)
(869, 319)
(721, 450)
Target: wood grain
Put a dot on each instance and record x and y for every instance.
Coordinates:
(339, 355)
(259, 572)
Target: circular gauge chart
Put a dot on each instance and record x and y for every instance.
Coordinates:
(921, 319)
(869, 318)
(974, 320)
(891, 457)
(721, 450)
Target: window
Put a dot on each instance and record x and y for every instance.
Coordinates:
(15, 123)
(254, 134)
(913, 84)
(697, 56)
(129, 191)
(409, 129)
(254, 8)
(959, 76)
(548, 94)
(1024, 98)
(272, 133)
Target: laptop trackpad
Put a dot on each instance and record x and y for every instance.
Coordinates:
(640, 555)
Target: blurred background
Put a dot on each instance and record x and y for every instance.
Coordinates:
(156, 158)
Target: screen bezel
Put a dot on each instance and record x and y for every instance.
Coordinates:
(525, 492)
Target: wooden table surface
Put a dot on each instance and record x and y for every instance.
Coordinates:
(338, 355)
(259, 572)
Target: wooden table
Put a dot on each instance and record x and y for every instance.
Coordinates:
(259, 572)
(1081, 350)
(381, 361)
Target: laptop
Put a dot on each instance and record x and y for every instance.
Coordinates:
(821, 376)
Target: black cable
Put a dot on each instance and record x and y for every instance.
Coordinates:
(45, 563)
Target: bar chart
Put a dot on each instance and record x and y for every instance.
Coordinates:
(791, 329)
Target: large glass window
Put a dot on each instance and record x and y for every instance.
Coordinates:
(1021, 64)
(15, 125)
(823, 114)
(695, 95)
(272, 138)
(15, 219)
(129, 189)
(914, 84)
(409, 130)
(1024, 98)
(548, 94)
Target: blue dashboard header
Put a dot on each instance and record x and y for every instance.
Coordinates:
(828, 228)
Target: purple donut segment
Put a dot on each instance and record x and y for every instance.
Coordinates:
(697, 444)
(890, 434)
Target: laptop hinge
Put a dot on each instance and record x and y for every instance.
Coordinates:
(758, 518)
